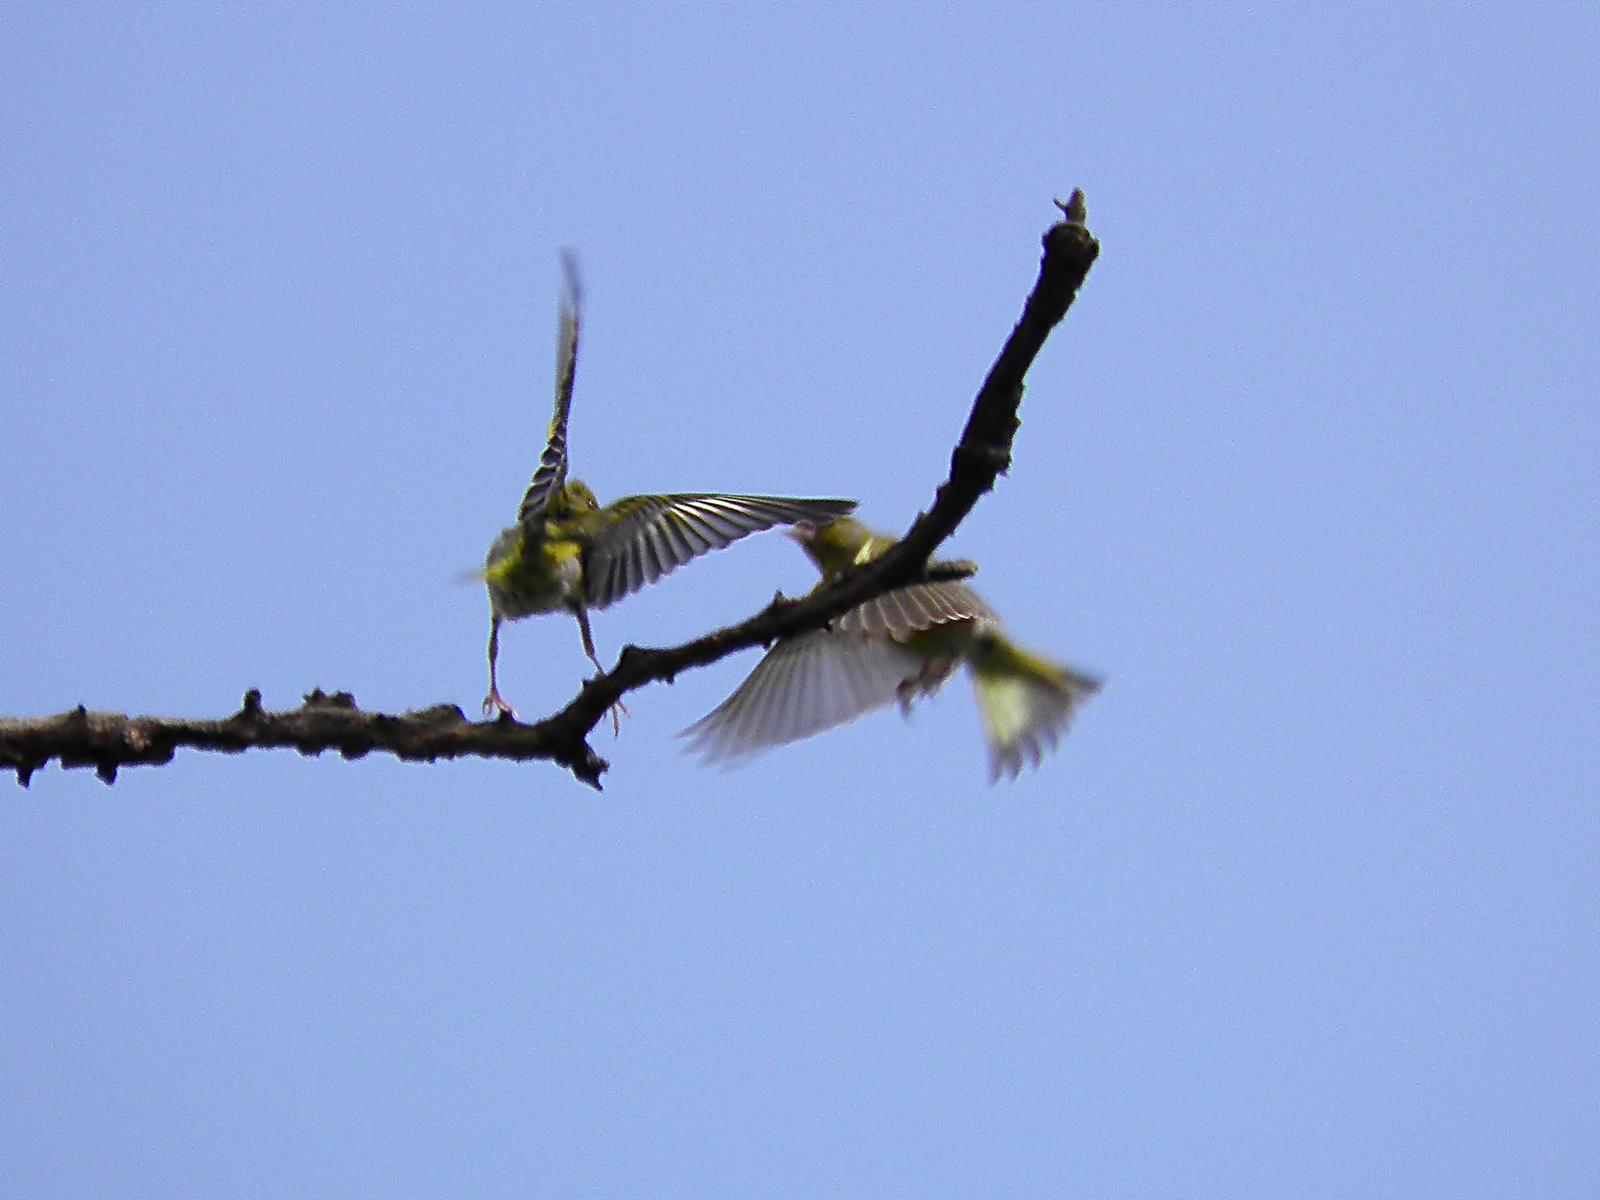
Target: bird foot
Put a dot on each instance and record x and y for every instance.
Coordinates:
(618, 711)
(494, 705)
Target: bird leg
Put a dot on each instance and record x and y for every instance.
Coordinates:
(619, 709)
(588, 638)
(494, 704)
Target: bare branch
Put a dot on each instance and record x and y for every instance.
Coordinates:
(107, 741)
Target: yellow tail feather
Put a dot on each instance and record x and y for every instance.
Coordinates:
(1026, 702)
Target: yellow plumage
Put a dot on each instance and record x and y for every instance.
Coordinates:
(902, 645)
(568, 553)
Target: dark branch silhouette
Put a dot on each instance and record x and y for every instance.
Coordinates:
(108, 741)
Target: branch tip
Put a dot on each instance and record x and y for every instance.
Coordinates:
(1076, 209)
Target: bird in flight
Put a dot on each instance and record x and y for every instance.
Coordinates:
(902, 645)
(567, 553)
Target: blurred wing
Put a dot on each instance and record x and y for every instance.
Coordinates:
(644, 537)
(552, 470)
(915, 607)
(803, 686)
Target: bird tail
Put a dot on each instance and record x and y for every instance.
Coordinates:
(1026, 701)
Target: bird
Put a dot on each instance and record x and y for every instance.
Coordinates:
(567, 553)
(896, 648)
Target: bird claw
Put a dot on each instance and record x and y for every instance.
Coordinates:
(495, 707)
(618, 711)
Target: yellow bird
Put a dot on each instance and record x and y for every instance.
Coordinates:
(900, 646)
(567, 553)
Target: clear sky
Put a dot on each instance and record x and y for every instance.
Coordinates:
(1307, 904)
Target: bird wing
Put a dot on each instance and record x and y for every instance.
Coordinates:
(916, 607)
(552, 471)
(643, 537)
(803, 686)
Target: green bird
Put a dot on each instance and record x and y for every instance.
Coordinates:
(567, 553)
(900, 646)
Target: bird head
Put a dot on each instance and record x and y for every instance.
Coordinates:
(574, 499)
(839, 544)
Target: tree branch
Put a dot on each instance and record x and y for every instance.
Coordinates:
(107, 741)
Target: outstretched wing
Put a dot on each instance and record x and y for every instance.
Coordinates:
(916, 607)
(552, 471)
(643, 537)
(803, 686)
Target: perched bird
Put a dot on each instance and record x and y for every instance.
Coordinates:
(566, 552)
(900, 646)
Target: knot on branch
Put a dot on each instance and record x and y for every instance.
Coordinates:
(980, 461)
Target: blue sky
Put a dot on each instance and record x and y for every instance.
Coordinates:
(1308, 902)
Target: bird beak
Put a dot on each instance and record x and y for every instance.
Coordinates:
(804, 532)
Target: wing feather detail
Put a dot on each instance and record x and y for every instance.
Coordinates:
(644, 537)
(803, 686)
(551, 473)
(916, 607)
